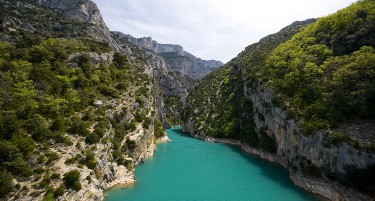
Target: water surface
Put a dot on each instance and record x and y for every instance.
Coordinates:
(189, 169)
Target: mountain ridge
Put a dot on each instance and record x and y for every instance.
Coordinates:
(177, 58)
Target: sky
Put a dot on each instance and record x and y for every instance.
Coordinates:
(211, 29)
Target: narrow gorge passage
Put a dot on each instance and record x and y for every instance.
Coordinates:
(192, 169)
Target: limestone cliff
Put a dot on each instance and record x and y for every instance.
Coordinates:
(125, 100)
(179, 60)
(306, 157)
(245, 103)
(83, 11)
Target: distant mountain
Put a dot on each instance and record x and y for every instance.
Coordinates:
(76, 102)
(178, 59)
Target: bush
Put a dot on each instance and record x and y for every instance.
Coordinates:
(78, 126)
(90, 159)
(52, 156)
(39, 128)
(11, 159)
(130, 126)
(146, 123)
(139, 117)
(158, 129)
(99, 129)
(338, 138)
(58, 125)
(59, 191)
(131, 144)
(108, 91)
(92, 138)
(6, 183)
(119, 60)
(72, 180)
(121, 86)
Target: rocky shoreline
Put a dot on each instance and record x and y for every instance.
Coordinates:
(322, 188)
(128, 178)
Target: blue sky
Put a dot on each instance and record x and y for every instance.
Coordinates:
(210, 29)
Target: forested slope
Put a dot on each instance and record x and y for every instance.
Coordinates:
(303, 97)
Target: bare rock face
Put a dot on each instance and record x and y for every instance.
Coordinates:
(179, 60)
(171, 82)
(293, 149)
(148, 43)
(84, 11)
(292, 144)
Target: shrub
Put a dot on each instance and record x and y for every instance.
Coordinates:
(78, 126)
(92, 138)
(108, 91)
(52, 156)
(72, 180)
(99, 130)
(6, 183)
(58, 125)
(121, 86)
(146, 123)
(158, 129)
(59, 191)
(55, 176)
(90, 159)
(39, 128)
(131, 144)
(338, 138)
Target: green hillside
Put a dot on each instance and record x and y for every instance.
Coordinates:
(317, 73)
(322, 74)
(51, 75)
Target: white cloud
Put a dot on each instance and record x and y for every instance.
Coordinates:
(210, 29)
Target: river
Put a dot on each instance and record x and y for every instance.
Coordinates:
(189, 169)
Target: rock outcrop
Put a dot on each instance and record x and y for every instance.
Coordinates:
(294, 149)
(108, 168)
(83, 11)
(237, 102)
(297, 152)
(179, 60)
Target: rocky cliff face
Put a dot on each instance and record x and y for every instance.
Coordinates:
(236, 105)
(83, 11)
(302, 153)
(136, 104)
(306, 157)
(107, 172)
(179, 60)
(148, 43)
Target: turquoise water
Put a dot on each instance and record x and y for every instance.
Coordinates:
(191, 169)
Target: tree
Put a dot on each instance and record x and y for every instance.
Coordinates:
(39, 128)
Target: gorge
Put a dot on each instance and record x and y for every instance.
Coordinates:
(81, 105)
(212, 171)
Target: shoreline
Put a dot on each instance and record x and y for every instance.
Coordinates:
(128, 180)
(319, 188)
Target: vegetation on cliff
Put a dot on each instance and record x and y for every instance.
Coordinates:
(217, 104)
(322, 74)
(325, 75)
(46, 93)
(59, 89)
(319, 72)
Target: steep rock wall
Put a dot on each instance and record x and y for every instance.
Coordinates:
(84, 11)
(294, 149)
(179, 60)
